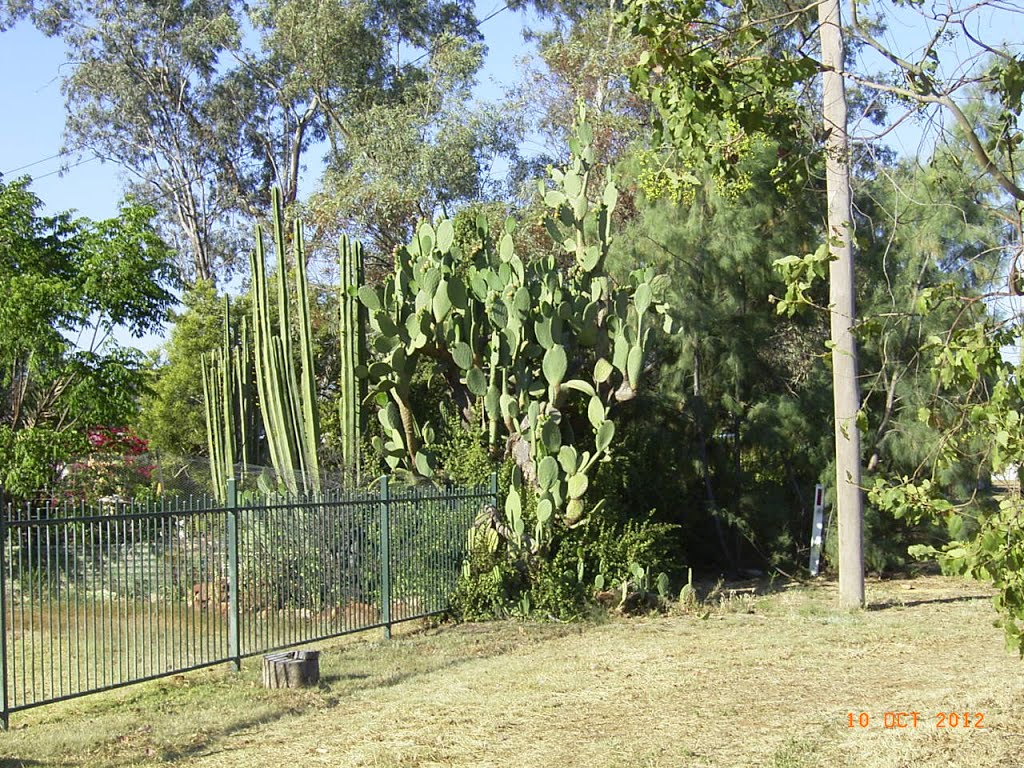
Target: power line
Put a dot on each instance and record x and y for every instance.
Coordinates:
(450, 40)
(34, 163)
(83, 161)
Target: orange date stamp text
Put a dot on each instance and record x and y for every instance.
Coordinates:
(901, 719)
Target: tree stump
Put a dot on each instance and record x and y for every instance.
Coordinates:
(293, 669)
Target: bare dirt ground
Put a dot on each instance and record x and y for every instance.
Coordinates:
(755, 681)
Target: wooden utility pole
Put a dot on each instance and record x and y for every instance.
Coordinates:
(846, 394)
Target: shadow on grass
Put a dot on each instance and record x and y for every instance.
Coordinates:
(336, 687)
(721, 589)
(157, 751)
(329, 680)
(887, 604)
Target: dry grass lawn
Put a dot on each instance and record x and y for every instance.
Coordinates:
(766, 681)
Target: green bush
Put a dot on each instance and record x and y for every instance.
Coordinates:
(462, 452)
(555, 585)
(615, 549)
(489, 586)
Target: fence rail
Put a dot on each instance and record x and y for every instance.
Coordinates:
(94, 601)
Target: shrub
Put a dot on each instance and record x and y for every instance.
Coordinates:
(490, 585)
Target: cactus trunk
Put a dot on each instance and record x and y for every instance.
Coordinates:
(352, 333)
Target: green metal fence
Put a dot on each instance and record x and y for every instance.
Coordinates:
(97, 599)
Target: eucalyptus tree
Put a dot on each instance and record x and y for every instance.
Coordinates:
(422, 151)
(581, 58)
(135, 93)
(208, 105)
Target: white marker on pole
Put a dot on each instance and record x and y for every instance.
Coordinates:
(819, 507)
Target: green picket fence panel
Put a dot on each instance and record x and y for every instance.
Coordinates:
(97, 599)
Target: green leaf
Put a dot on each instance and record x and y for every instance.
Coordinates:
(441, 304)
(388, 417)
(522, 300)
(385, 324)
(423, 464)
(602, 370)
(605, 433)
(551, 436)
(513, 506)
(506, 248)
(369, 298)
(580, 386)
(555, 365)
(611, 196)
(414, 325)
(580, 207)
(547, 472)
(426, 238)
(542, 330)
(462, 354)
(431, 279)
(595, 412)
(476, 381)
(478, 284)
(578, 484)
(568, 459)
(509, 407)
(573, 511)
(545, 509)
(620, 353)
(553, 198)
(445, 236)
(643, 298)
(633, 363)
(457, 292)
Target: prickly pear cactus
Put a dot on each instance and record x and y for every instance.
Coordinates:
(541, 352)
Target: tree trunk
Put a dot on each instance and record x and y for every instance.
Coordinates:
(846, 396)
(295, 669)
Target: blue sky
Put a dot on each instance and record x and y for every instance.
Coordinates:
(31, 130)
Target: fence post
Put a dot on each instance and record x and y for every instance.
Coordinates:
(385, 556)
(6, 713)
(234, 646)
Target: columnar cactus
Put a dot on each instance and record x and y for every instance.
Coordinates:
(286, 386)
(284, 372)
(352, 333)
(230, 406)
(540, 351)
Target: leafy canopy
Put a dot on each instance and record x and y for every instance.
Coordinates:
(67, 284)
